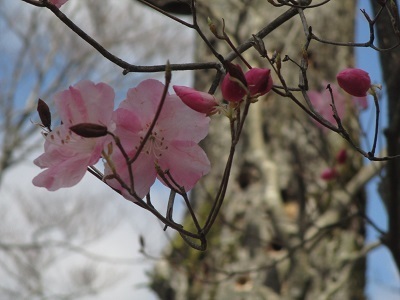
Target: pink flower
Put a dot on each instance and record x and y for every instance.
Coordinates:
(173, 144)
(259, 81)
(58, 3)
(329, 174)
(341, 157)
(321, 102)
(356, 82)
(231, 89)
(198, 101)
(67, 155)
(360, 102)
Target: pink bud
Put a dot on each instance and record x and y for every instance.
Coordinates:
(329, 174)
(231, 89)
(341, 157)
(356, 82)
(259, 81)
(198, 101)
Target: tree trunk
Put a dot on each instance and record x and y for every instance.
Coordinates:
(282, 232)
(388, 35)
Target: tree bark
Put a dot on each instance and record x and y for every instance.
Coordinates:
(388, 36)
(282, 233)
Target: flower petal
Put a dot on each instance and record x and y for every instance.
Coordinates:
(144, 99)
(65, 174)
(322, 101)
(179, 122)
(143, 170)
(186, 162)
(128, 128)
(86, 102)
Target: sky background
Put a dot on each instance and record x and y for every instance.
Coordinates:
(382, 278)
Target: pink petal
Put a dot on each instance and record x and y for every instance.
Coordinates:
(187, 163)
(321, 102)
(53, 155)
(65, 174)
(128, 128)
(179, 122)
(144, 99)
(99, 100)
(144, 174)
(361, 102)
(86, 102)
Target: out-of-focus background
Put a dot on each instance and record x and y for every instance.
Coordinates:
(83, 242)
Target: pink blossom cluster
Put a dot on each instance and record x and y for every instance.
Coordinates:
(234, 87)
(131, 166)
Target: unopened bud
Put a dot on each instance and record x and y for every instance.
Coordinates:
(278, 62)
(259, 81)
(329, 174)
(341, 157)
(212, 27)
(236, 72)
(354, 81)
(89, 130)
(234, 84)
(44, 113)
(259, 45)
(198, 101)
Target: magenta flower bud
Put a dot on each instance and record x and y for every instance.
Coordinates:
(356, 82)
(341, 157)
(259, 81)
(329, 174)
(198, 101)
(231, 89)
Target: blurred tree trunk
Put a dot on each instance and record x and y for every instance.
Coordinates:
(388, 35)
(282, 232)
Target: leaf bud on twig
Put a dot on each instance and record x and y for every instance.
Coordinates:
(259, 45)
(44, 113)
(89, 130)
